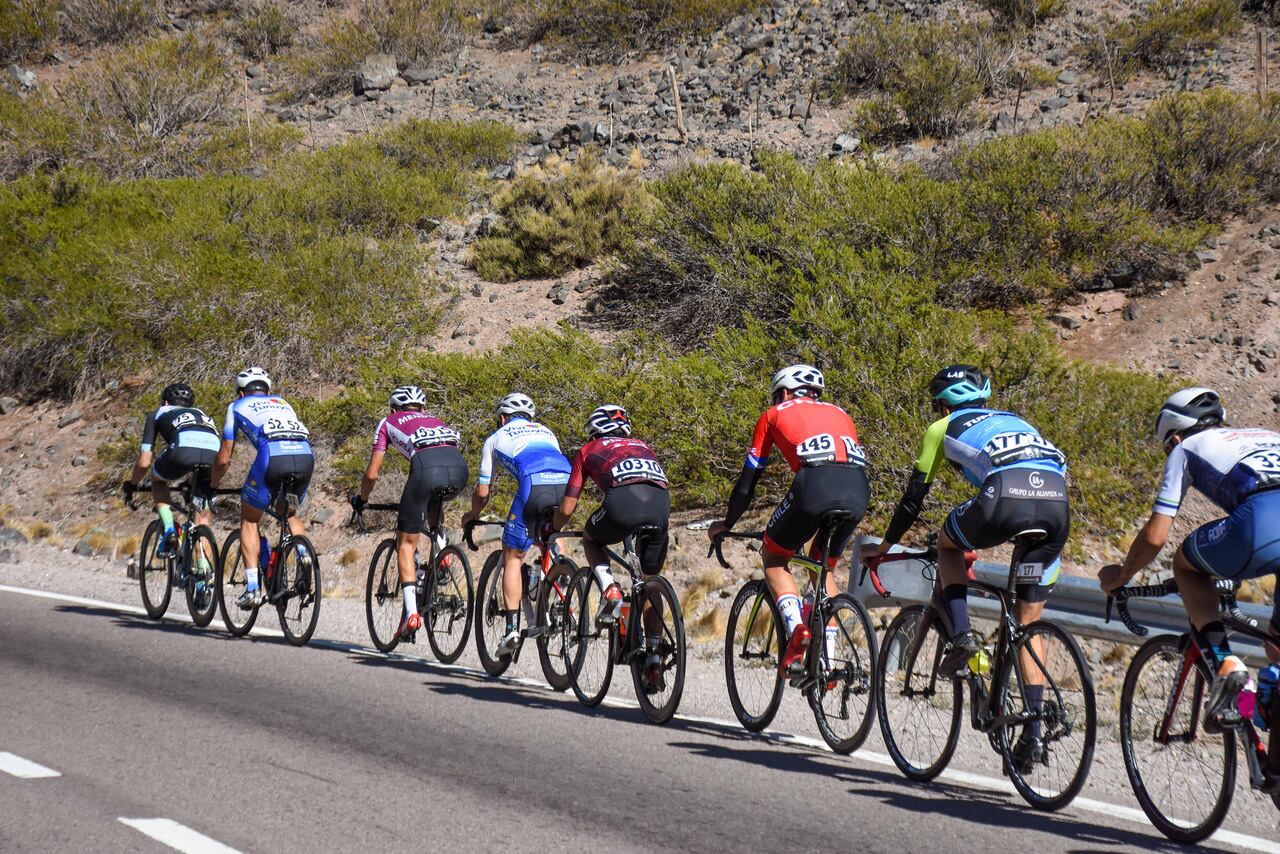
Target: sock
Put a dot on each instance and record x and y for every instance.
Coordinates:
(1213, 643)
(511, 620)
(954, 597)
(251, 577)
(1034, 695)
(205, 568)
(441, 541)
(165, 512)
(832, 635)
(603, 575)
(410, 594)
(789, 605)
(653, 645)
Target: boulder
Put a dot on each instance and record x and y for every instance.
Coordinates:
(417, 76)
(846, 143)
(376, 73)
(12, 536)
(8, 405)
(70, 418)
(21, 76)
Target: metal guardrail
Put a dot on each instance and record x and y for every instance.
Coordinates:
(1077, 604)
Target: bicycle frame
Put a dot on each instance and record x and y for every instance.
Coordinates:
(530, 594)
(632, 647)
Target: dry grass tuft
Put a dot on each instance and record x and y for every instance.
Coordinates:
(711, 625)
(349, 557)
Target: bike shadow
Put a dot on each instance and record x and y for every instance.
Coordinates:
(167, 624)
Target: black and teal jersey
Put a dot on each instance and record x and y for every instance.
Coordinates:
(980, 442)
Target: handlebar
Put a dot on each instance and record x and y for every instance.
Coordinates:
(871, 565)
(184, 490)
(1120, 599)
(357, 516)
(471, 526)
(718, 545)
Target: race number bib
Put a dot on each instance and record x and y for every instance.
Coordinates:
(1008, 448)
(637, 468)
(1029, 573)
(1265, 464)
(284, 429)
(426, 437)
(817, 449)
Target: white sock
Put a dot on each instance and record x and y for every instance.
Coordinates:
(603, 575)
(789, 605)
(410, 593)
(654, 646)
(833, 633)
(251, 577)
(441, 541)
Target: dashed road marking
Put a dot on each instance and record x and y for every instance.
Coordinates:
(15, 765)
(177, 836)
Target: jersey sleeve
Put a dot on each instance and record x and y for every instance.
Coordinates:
(761, 444)
(1173, 486)
(486, 460)
(229, 425)
(149, 432)
(380, 436)
(577, 473)
(933, 449)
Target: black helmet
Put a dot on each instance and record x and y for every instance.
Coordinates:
(955, 385)
(178, 394)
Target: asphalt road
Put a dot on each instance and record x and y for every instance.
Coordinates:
(258, 746)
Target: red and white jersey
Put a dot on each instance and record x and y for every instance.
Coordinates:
(614, 461)
(409, 432)
(808, 432)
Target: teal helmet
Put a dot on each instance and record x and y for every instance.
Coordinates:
(955, 385)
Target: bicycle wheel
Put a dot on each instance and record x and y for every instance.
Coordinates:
(1182, 776)
(383, 604)
(1065, 718)
(553, 613)
(490, 623)
(155, 574)
(201, 602)
(753, 656)
(919, 710)
(591, 647)
(842, 699)
(447, 618)
(231, 583)
(659, 700)
(300, 590)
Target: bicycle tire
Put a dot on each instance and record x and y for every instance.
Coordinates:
(856, 675)
(590, 682)
(382, 597)
(1168, 650)
(155, 602)
(1064, 712)
(202, 604)
(231, 580)
(450, 600)
(553, 612)
(754, 713)
(301, 587)
(488, 616)
(674, 651)
(898, 639)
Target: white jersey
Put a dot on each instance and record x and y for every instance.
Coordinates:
(264, 419)
(1226, 464)
(523, 448)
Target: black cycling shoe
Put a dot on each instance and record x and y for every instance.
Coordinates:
(959, 651)
(1027, 753)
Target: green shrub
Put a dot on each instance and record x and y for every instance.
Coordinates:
(609, 30)
(557, 218)
(110, 21)
(419, 30)
(1163, 33)
(264, 27)
(1017, 14)
(325, 64)
(27, 26)
(878, 120)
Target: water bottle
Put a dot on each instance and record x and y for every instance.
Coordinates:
(980, 662)
(622, 617)
(806, 608)
(533, 576)
(1247, 700)
(264, 554)
(1268, 677)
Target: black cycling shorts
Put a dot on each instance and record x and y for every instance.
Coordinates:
(815, 491)
(1013, 501)
(626, 508)
(435, 474)
(176, 463)
(295, 467)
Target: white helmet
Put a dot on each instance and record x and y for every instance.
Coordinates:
(517, 404)
(608, 419)
(794, 377)
(253, 376)
(1191, 407)
(407, 395)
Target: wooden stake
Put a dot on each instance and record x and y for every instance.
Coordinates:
(1261, 66)
(248, 124)
(675, 93)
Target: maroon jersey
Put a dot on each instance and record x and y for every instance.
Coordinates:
(614, 461)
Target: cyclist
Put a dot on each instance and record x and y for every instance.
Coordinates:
(627, 471)
(820, 444)
(1022, 481)
(191, 445)
(437, 472)
(1238, 469)
(283, 447)
(531, 453)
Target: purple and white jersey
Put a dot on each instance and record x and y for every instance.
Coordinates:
(409, 432)
(1226, 464)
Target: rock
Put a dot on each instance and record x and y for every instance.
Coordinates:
(559, 293)
(1207, 256)
(254, 71)
(501, 173)
(70, 418)
(1121, 275)
(846, 144)
(84, 548)
(800, 109)
(8, 405)
(322, 515)
(7, 556)
(14, 537)
(488, 224)
(1110, 302)
(1068, 78)
(757, 42)
(1064, 321)
(1272, 298)
(24, 78)
(1057, 56)
(1132, 310)
(1048, 105)
(376, 73)
(79, 460)
(417, 76)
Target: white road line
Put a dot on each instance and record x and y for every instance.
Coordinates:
(11, 763)
(177, 836)
(996, 784)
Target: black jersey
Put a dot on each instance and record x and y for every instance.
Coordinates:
(180, 427)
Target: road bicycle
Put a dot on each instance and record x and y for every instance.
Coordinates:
(445, 591)
(289, 573)
(594, 647)
(837, 673)
(190, 563)
(541, 612)
(920, 708)
(1183, 771)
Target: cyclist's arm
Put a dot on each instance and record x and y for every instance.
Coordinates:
(371, 473)
(569, 503)
(480, 496)
(757, 458)
(223, 462)
(145, 455)
(926, 469)
(1155, 533)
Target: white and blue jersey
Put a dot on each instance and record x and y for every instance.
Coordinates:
(276, 433)
(982, 442)
(531, 453)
